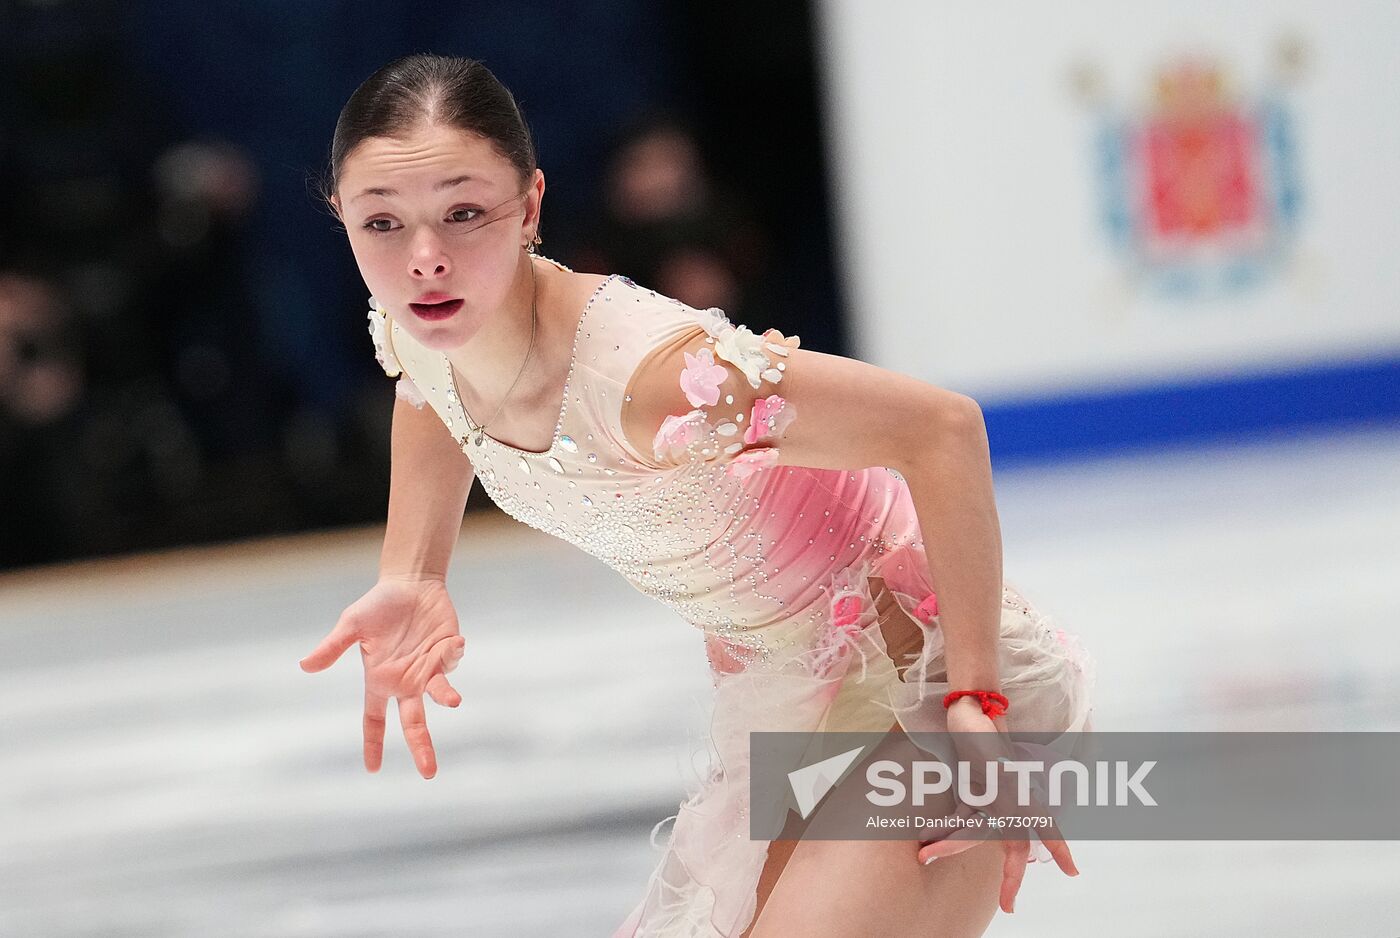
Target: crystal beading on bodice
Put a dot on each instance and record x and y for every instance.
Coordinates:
(775, 564)
(680, 534)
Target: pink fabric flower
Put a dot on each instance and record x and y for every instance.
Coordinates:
(769, 419)
(846, 611)
(677, 432)
(701, 378)
(721, 654)
(851, 612)
(926, 610)
(838, 641)
(750, 461)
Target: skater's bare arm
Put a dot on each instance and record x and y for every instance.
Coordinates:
(843, 413)
(429, 478)
(405, 625)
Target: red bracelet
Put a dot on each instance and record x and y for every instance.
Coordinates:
(993, 704)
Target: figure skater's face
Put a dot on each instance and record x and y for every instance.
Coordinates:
(437, 215)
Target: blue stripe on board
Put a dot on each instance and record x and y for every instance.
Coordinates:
(1097, 423)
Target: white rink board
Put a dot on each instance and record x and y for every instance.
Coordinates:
(963, 165)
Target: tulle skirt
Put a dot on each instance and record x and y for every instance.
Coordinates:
(843, 679)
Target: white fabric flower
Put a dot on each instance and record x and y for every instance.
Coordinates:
(715, 322)
(742, 348)
(406, 389)
(739, 346)
(378, 329)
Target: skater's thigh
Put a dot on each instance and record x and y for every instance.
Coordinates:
(837, 888)
(857, 888)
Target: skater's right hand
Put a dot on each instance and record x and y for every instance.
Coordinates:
(981, 740)
(409, 639)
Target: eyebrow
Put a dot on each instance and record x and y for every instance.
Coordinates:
(445, 184)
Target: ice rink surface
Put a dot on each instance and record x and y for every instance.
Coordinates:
(168, 769)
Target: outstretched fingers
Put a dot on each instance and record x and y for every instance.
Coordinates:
(1017, 852)
(442, 692)
(453, 654)
(961, 837)
(375, 707)
(438, 687)
(341, 637)
(1059, 850)
(415, 731)
(1013, 870)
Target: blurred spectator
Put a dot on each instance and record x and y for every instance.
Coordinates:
(665, 223)
(41, 383)
(182, 350)
(40, 374)
(120, 304)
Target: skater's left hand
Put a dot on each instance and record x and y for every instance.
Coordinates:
(981, 739)
(409, 640)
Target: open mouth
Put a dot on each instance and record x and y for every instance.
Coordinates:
(436, 311)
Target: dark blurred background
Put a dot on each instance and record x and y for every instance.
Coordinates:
(183, 356)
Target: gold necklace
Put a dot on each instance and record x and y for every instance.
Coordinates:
(534, 319)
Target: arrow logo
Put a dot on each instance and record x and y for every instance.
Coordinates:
(812, 783)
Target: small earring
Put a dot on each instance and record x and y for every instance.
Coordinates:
(531, 246)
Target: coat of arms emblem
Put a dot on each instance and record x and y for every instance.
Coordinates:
(1199, 191)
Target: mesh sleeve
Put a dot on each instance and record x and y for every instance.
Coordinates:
(721, 384)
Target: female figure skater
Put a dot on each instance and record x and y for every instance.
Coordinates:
(828, 525)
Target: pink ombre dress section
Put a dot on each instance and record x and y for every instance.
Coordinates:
(772, 566)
